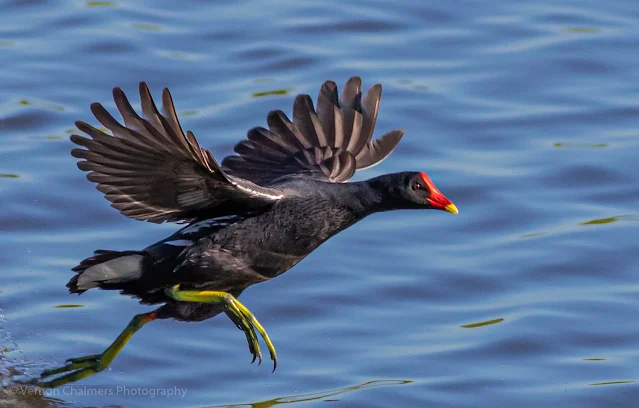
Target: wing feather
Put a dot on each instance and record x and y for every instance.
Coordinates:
(328, 145)
(149, 169)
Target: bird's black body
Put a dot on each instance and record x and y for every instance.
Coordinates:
(250, 219)
(230, 253)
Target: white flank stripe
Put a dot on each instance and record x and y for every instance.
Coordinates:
(272, 197)
(180, 242)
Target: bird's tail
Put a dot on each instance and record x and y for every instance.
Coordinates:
(107, 269)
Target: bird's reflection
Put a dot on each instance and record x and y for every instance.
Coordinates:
(327, 396)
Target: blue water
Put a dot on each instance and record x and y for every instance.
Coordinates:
(525, 114)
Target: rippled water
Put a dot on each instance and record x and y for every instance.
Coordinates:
(525, 114)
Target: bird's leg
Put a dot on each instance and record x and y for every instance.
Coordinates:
(78, 368)
(236, 311)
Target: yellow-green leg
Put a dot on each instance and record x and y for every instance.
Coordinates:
(238, 313)
(78, 368)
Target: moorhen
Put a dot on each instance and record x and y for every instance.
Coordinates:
(249, 220)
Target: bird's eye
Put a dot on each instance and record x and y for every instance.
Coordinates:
(417, 186)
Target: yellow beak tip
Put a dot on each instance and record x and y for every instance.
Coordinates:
(451, 209)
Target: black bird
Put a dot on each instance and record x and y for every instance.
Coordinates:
(249, 220)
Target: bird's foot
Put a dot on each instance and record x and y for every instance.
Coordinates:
(78, 368)
(74, 369)
(237, 312)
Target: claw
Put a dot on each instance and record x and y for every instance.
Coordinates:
(255, 324)
(83, 358)
(237, 312)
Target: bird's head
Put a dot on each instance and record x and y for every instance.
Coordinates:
(413, 190)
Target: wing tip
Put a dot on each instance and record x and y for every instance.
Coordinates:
(96, 107)
(117, 91)
(355, 79)
(305, 99)
(143, 87)
(329, 85)
(277, 114)
(166, 97)
(376, 88)
(84, 128)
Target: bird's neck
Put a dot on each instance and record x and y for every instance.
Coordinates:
(361, 198)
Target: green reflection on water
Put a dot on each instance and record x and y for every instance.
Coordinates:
(588, 30)
(146, 27)
(9, 175)
(615, 382)
(314, 396)
(480, 324)
(271, 93)
(581, 145)
(41, 104)
(100, 4)
(69, 306)
(7, 43)
(611, 219)
(601, 221)
(532, 235)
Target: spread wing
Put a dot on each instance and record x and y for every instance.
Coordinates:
(328, 145)
(150, 170)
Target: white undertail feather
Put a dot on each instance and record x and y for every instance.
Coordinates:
(116, 270)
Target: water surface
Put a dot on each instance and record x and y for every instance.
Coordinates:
(525, 114)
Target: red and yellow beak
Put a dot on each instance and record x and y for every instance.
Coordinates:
(442, 203)
(437, 200)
